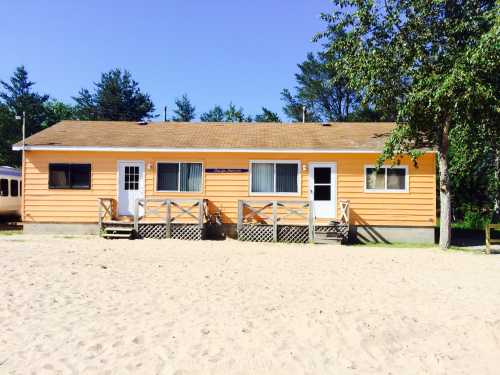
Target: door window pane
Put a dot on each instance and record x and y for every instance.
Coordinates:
(322, 175)
(131, 178)
(14, 188)
(167, 177)
(286, 178)
(396, 178)
(322, 192)
(375, 179)
(262, 177)
(4, 187)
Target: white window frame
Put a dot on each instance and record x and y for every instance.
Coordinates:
(385, 190)
(299, 178)
(179, 191)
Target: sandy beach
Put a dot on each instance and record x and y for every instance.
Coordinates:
(91, 306)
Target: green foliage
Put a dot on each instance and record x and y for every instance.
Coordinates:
(184, 111)
(294, 108)
(231, 114)
(57, 111)
(116, 97)
(434, 64)
(17, 96)
(322, 89)
(267, 116)
(216, 114)
(472, 218)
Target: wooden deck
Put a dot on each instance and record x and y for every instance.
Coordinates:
(155, 218)
(289, 221)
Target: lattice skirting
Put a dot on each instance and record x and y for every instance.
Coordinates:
(178, 231)
(256, 233)
(293, 233)
(264, 233)
(288, 233)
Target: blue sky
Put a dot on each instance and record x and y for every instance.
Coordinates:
(216, 51)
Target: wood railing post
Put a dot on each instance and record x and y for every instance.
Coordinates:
(168, 219)
(240, 216)
(100, 213)
(136, 215)
(275, 221)
(310, 222)
(200, 213)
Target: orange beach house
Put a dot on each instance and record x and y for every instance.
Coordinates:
(273, 178)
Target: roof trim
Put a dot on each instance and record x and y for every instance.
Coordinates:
(194, 149)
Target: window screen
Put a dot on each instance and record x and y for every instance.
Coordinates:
(182, 177)
(271, 177)
(386, 179)
(69, 176)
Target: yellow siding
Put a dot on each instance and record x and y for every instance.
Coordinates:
(414, 208)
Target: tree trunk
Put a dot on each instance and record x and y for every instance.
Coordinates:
(496, 207)
(444, 191)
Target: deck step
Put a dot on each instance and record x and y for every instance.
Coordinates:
(118, 229)
(330, 241)
(122, 230)
(325, 235)
(117, 235)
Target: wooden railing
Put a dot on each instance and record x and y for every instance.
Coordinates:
(191, 211)
(254, 212)
(107, 209)
(489, 241)
(344, 211)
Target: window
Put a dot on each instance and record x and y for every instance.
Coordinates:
(14, 188)
(386, 179)
(69, 176)
(274, 177)
(4, 187)
(180, 177)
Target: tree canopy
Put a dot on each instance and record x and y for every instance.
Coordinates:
(184, 111)
(231, 114)
(267, 116)
(115, 97)
(17, 96)
(426, 62)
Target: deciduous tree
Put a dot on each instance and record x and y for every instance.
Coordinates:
(435, 64)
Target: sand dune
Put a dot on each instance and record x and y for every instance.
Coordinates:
(91, 306)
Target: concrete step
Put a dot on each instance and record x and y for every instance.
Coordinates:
(116, 235)
(331, 241)
(118, 229)
(324, 235)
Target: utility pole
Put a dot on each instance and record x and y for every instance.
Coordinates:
(23, 162)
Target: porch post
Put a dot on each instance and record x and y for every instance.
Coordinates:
(311, 221)
(136, 216)
(168, 219)
(275, 221)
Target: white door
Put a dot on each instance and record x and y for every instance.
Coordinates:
(323, 189)
(130, 186)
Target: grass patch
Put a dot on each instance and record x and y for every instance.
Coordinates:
(10, 232)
